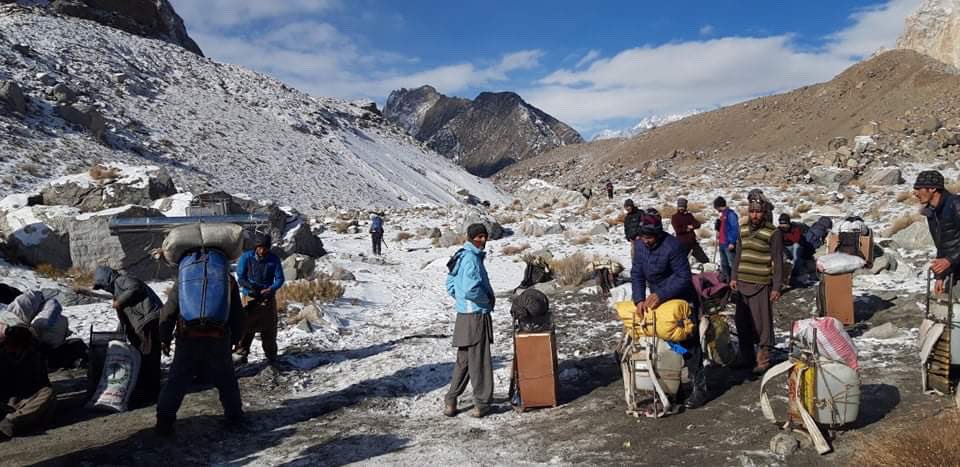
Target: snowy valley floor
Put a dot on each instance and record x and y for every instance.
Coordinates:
(367, 386)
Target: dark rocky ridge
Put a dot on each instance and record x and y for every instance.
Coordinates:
(484, 135)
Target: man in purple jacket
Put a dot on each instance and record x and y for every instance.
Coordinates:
(660, 264)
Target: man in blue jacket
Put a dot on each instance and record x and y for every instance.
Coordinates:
(469, 285)
(660, 263)
(728, 232)
(260, 274)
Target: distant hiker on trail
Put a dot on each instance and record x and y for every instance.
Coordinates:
(587, 193)
(469, 285)
(728, 234)
(138, 309)
(201, 350)
(27, 399)
(376, 233)
(757, 277)
(609, 189)
(942, 210)
(631, 222)
(685, 226)
(260, 274)
(660, 263)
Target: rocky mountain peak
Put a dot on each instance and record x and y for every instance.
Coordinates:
(934, 30)
(484, 135)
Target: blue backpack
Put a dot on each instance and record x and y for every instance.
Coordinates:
(204, 288)
(376, 224)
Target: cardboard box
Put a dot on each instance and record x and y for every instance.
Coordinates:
(536, 359)
(836, 297)
(866, 246)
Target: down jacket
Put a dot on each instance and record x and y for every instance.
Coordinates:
(944, 224)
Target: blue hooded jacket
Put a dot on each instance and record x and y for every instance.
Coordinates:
(664, 269)
(468, 282)
(255, 274)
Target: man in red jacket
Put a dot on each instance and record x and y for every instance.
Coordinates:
(685, 226)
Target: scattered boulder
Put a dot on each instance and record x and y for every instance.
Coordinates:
(930, 125)
(111, 186)
(450, 238)
(91, 244)
(301, 239)
(298, 266)
(39, 235)
(12, 96)
(862, 143)
(836, 143)
(884, 331)
(494, 229)
(784, 444)
(915, 237)
(63, 94)
(600, 229)
(830, 177)
(535, 193)
(883, 176)
(84, 115)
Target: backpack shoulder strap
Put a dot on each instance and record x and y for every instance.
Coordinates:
(777, 370)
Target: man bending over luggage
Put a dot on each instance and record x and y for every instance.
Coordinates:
(469, 285)
(757, 277)
(138, 309)
(942, 210)
(26, 397)
(660, 263)
(200, 350)
(260, 274)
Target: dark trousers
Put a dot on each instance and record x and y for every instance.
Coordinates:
(609, 194)
(377, 239)
(693, 360)
(261, 316)
(148, 380)
(605, 281)
(726, 260)
(474, 362)
(754, 321)
(698, 253)
(206, 356)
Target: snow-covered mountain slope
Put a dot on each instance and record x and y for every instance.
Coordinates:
(645, 124)
(214, 126)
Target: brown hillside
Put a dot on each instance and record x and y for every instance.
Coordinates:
(898, 90)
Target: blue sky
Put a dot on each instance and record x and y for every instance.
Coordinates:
(594, 65)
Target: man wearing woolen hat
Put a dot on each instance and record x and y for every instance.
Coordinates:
(685, 226)
(469, 285)
(942, 210)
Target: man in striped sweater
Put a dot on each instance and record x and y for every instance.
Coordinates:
(757, 278)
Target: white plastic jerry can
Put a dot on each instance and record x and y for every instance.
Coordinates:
(838, 394)
(669, 366)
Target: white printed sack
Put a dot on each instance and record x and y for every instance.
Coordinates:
(120, 370)
(839, 263)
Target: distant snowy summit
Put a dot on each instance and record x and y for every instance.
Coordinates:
(644, 125)
(483, 135)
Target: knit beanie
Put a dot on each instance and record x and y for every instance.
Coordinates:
(682, 203)
(784, 219)
(475, 230)
(929, 179)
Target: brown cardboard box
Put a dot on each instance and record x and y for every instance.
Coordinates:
(836, 297)
(536, 358)
(866, 246)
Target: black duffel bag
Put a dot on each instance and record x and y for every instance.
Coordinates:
(531, 311)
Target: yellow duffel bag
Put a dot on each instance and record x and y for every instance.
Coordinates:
(673, 322)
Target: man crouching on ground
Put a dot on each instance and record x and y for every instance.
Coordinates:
(469, 285)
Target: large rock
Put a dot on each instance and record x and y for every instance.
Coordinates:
(494, 230)
(155, 19)
(301, 239)
(934, 30)
(39, 235)
(298, 267)
(84, 115)
(830, 177)
(100, 189)
(535, 193)
(883, 176)
(12, 97)
(91, 244)
(915, 237)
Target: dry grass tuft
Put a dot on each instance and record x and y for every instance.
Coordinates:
(342, 227)
(506, 219)
(401, 236)
(927, 442)
(50, 271)
(75, 276)
(570, 271)
(668, 212)
(902, 222)
(612, 221)
(323, 289)
(581, 240)
(696, 207)
(594, 216)
(102, 173)
(511, 250)
(802, 208)
(903, 196)
(953, 187)
(609, 210)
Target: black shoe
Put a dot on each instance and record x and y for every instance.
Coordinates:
(697, 399)
(164, 428)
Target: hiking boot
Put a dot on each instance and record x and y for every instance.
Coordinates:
(164, 427)
(450, 410)
(698, 399)
(479, 411)
(239, 359)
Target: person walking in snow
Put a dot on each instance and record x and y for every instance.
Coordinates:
(942, 210)
(609, 189)
(469, 285)
(728, 233)
(260, 274)
(376, 233)
(685, 226)
(138, 310)
(757, 277)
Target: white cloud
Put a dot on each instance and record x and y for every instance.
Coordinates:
(675, 77)
(217, 13)
(706, 30)
(589, 57)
